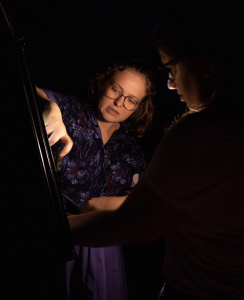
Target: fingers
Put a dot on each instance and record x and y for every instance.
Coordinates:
(62, 135)
(87, 208)
(55, 127)
(68, 144)
(51, 113)
(55, 134)
(65, 139)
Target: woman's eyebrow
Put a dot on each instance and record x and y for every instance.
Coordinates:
(114, 83)
(171, 62)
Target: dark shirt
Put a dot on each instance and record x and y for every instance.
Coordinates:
(198, 172)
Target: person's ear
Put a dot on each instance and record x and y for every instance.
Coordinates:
(213, 69)
(100, 85)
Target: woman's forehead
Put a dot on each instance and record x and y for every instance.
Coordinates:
(128, 75)
(131, 82)
(165, 58)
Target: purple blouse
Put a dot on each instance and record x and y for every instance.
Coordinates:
(92, 169)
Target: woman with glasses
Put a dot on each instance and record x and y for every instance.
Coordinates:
(105, 157)
(192, 192)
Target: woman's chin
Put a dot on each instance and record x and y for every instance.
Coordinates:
(193, 109)
(192, 106)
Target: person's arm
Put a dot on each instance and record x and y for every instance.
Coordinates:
(103, 203)
(54, 123)
(138, 219)
(186, 166)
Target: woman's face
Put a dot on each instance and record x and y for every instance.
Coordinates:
(191, 79)
(130, 83)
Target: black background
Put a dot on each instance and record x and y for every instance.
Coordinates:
(65, 42)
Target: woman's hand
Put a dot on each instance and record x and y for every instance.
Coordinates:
(55, 127)
(53, 121)
(103, 203)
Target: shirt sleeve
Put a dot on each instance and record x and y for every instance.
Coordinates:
(53, 96)
(71, 108)
(190, 162)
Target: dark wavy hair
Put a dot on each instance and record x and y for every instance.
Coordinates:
(213, 29)
(141, 119)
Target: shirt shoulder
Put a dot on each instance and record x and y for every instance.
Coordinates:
(195, 157)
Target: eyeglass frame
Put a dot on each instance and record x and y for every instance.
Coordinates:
(140, 103)
(164, 67)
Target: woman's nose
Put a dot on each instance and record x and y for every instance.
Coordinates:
(171, 84)
(119, 102)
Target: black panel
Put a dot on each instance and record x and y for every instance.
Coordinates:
(35, 235)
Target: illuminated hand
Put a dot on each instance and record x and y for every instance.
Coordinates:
(103, 203)
(53, 121)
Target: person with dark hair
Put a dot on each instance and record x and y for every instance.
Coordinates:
(106, 160)
(192, 192)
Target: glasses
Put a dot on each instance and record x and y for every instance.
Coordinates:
(167, 71)
(114, 92)
(169, 74)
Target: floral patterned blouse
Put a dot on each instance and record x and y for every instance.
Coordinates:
(93, 169)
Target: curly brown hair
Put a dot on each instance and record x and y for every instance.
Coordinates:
(141, 119)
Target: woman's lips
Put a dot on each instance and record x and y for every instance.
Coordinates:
(112, 111)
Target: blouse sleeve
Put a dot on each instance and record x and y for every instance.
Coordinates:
(71, 108)
(59, 99)
(53, 96)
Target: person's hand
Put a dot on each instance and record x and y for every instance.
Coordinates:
(103, 203)
(55, 127)
(53, 121)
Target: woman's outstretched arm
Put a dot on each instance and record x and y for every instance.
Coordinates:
(168, 189)
(138, 219)
(54, 123)
(103, 203)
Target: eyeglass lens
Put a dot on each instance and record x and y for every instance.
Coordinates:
(113, 92)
